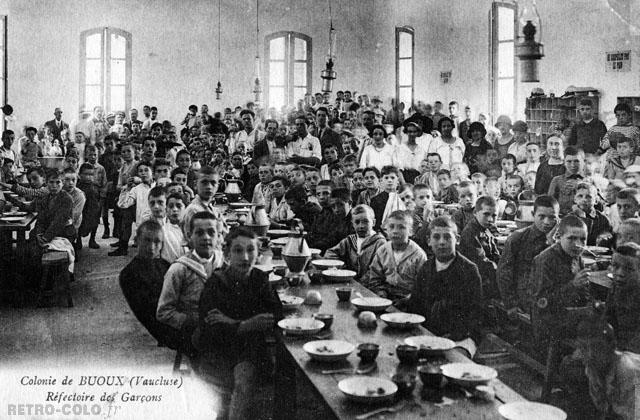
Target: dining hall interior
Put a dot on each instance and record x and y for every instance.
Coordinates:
(308, 209)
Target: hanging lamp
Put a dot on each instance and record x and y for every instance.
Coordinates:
(257, 87)
(328, 75)
(219, 85)
(530, 50)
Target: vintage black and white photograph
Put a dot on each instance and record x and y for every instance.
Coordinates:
(320, 209)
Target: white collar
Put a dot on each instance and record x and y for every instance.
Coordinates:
(203, 261)
(443, 265)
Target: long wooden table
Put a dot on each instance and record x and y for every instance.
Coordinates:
(345, 328)
(18, 257)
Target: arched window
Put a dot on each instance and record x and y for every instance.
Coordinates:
(503, 60)
(105, 69)
(288, 69)
(404, 65)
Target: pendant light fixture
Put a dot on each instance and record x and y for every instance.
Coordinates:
(257, 87)
(530, 50)
(219, 85)
(328, 75)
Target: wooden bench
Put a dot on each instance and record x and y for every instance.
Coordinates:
(521, 317)
(56, 263)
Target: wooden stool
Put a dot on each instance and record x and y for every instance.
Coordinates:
(57, 260)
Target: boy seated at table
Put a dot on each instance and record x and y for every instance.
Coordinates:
(358, 250)
(516, 262)
(55, 219)
(237, 312)
(467, 197)
(187, 277)
(614, 168)
(561, 292)
(387, 200)
(448, 190)
(598, 226)
(174, 243)
(395, 266)
(479, 245)
(141, 283)
(302, 207)
(371, 178)
(279, 211)
(613, 374)
(448, 288)
(623, 302)
(207, 183)
(629, 231)
(180, 176)
(36, 188)
(341, 206)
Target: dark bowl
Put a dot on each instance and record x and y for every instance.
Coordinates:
(368, 352)
(430, 376)
(406, 383)
(277, 250)
(344, 293)
(326, 318)
(407, 354)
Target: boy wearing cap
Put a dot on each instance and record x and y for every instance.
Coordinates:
(563, 187)
(632, 176)
(587, 133)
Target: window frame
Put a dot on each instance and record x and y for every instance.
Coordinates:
(105, 65)
(494, 43)
(289, 64)
(407, 30)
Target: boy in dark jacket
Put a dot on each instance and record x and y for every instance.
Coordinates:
(92, 209)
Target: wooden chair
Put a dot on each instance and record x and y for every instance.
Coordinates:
(55, 263)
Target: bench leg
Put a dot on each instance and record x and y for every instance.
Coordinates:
(43, 293)
(177, 362)
(66, 277)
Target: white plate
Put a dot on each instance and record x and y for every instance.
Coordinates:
(598, 249)
(239, 205)
(588, 260)
(338, 276)
(501, 240)
(430, 343)
(326, 264)
(506, 224)
(373, 304)
(15, 213)
(328, 350)
(469, 374)
(300, 326)
(315, 251)
(11, 219)
(279, 232)
(280, 241)
(368, 389)
(402, 320)
(290, 302)
(525, 410)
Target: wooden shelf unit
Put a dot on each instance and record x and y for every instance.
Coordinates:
(544, 112)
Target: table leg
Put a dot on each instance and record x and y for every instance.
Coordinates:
(21, 261)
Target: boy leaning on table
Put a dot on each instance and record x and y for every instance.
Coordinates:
(448, 289)
(357, 250)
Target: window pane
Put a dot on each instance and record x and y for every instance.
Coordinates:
(505, 23)
(504, 97)
(298, 93)
(94, 72)
(276, 73)
(276, 48)
(1, 61)
(300, 47)
(92, 97)
(405, 96)
(118, 46)
(405, 49)
(405, 74)
(117, 98)
(300, 74)
(118, 71)
(94, 46)
(276, 97)
(505, 59)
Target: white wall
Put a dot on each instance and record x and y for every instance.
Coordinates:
(175, 49)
